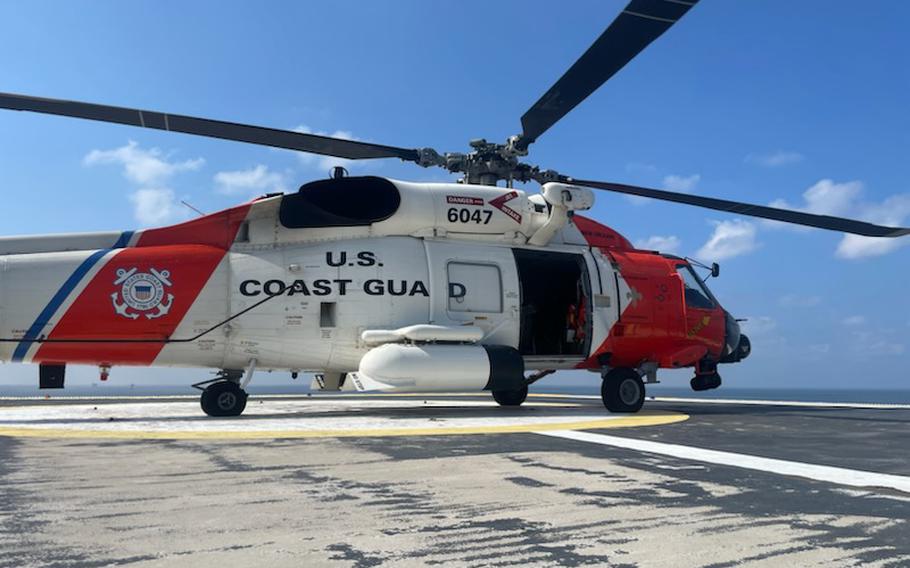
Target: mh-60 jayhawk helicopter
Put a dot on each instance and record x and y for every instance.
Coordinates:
(377, 284)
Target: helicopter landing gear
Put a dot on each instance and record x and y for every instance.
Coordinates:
(225, 395)
(706, 376)
(511, 397)
(223, 398)
(622, 390)
(705, 382)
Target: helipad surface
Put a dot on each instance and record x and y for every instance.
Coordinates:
(319, 481)
(314, 417)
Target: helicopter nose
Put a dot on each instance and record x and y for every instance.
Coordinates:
(732, 332)
(736, 345)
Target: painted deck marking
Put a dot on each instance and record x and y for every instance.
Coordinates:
(830, 474)
(310, 418)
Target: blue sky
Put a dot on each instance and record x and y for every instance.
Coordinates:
(764, 101)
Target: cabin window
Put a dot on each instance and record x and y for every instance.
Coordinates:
(474, 288)
(341, 202)
(697, 295)
(243, 233)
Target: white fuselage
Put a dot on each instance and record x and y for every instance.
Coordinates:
(302, 298)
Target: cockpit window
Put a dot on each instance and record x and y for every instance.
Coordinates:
(341, 202)
(697, 295)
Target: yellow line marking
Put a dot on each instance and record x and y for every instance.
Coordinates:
(435, 404)
(316, 394)
(644, 418)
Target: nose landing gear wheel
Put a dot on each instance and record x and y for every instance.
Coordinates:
(224, 398)
(623, 390)
(511, 397)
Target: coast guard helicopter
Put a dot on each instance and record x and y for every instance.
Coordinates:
(379, 284)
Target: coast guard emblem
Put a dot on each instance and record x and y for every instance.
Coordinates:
(141, 293)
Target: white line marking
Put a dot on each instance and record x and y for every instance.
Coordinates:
(803, 404)
(837, 475)
(755, 402)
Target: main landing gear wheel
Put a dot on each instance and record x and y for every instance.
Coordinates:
(511, 397)
(224, 398)
(623, 390)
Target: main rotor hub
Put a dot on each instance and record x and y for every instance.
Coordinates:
(489, 163)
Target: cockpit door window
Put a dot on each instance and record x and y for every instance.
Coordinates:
(697, 295)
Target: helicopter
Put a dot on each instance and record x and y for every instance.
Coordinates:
(376, 284)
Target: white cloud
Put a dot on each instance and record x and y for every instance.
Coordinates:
(893, 211)
(153, 203)
(156, 206)
(729, 239)
(637, 199)
(145, 167)
(853, 321)
(758, 326)
(853, 247)
(257, 179)
(883, 347)
(680, 183)
(775, 159)
(797, 301)
(827, 197)
(669, 244)
(867, 343)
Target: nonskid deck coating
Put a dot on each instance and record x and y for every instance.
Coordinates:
(499, 499)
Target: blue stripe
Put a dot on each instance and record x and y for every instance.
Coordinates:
(62, 294)
(123, 240)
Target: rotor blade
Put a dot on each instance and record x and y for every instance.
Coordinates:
(640, 23)
(325, 145)
(783, 215)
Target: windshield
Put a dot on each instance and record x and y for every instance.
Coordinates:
(697, 294)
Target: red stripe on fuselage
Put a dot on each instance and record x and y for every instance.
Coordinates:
(599, 235)
(215, 230)
(93, 314)
(189, 253)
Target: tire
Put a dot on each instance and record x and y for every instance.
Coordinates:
(705, 382)
(224, 398)
(511, 397)
(623, 391)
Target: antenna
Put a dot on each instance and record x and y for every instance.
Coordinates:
(201, 214)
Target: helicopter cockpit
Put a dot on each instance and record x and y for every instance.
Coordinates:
(696, 291)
